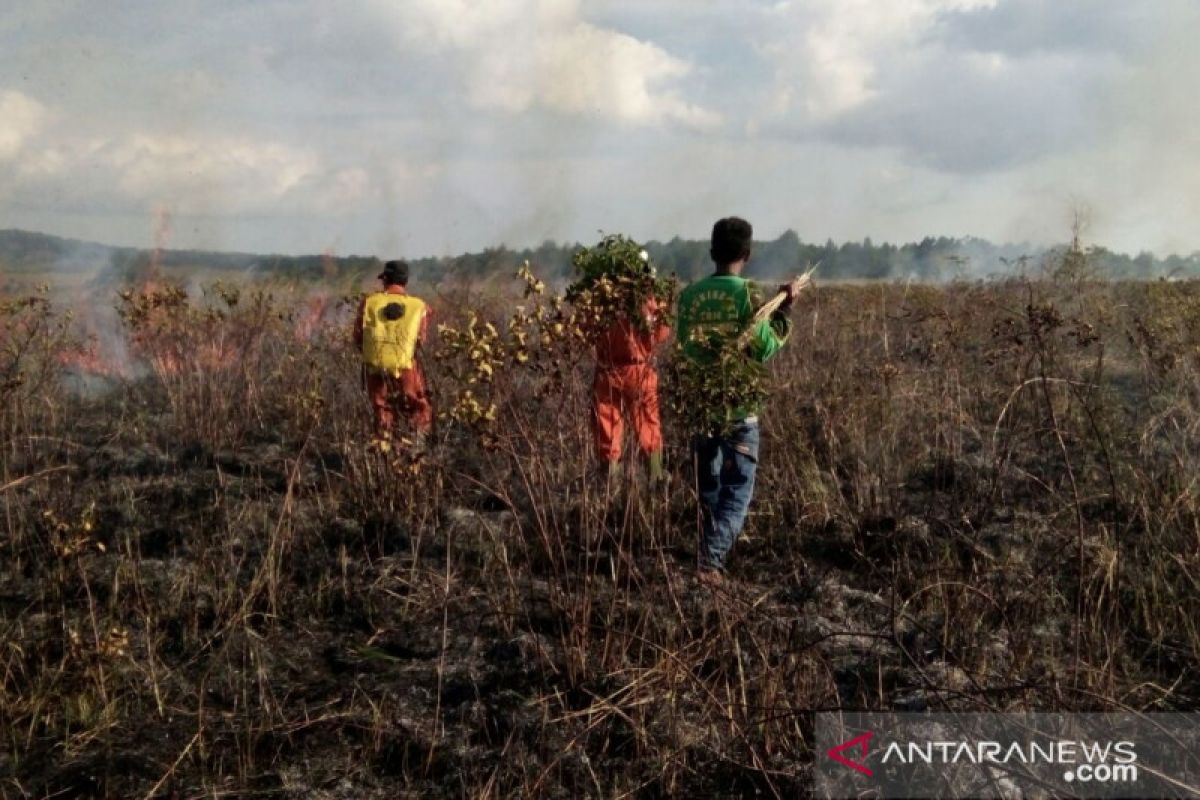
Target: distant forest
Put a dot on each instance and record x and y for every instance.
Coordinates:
(932, 259)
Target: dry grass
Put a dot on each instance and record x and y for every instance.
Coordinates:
(975, 497)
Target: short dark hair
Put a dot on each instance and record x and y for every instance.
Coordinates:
(395, 272)
(731, 239)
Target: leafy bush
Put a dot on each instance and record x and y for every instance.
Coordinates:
(702, 393)
(616, 281)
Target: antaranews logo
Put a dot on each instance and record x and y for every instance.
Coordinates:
(996, 755)
(1085, 761)
(862, 741)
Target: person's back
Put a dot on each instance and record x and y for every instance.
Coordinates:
(626, 382)
(715, 313)
(718, 308)
(626, 342)
(390, 325)
(393, 322)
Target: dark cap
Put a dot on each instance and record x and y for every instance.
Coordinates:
(395, 272)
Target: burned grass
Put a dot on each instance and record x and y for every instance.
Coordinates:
(976, 497)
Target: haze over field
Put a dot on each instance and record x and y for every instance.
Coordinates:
(433, 127)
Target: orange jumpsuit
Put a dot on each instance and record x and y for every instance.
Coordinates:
(407, 392)
(626, 382)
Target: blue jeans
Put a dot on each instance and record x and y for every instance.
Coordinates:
(725, 467)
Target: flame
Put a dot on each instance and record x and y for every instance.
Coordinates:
(89, 360)
(98, 348)
(321, 311)
(170, 337)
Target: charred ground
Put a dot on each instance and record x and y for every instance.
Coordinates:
(980, 496)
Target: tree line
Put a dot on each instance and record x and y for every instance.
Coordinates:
(934, 259)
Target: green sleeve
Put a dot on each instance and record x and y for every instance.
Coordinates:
(769, 335)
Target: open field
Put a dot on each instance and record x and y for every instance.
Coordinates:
(974, 497)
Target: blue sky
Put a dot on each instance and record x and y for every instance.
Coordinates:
(424, 127)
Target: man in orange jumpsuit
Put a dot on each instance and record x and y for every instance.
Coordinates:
(627, 382)
(391, 324)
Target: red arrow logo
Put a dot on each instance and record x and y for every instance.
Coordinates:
(862, 741)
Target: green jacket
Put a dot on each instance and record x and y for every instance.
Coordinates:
(717, 309)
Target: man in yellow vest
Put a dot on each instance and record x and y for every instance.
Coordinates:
(391, 323)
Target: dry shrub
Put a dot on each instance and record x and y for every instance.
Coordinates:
(975, 496)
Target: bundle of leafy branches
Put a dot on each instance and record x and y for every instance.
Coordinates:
(710, 383)
(616, 282)
(714, 379)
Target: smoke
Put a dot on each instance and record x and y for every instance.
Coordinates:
(88, 293)
(21, 118)
(1150, 179)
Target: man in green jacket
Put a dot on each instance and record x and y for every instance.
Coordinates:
(716, 310)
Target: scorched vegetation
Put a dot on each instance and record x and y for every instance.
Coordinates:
(978, 496)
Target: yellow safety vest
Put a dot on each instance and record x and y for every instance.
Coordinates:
(391, 330)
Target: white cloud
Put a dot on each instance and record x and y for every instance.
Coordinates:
(152, 165)
(518, 55)
(474, 24)
(829, 52)
(21, 118)
(51, 163)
